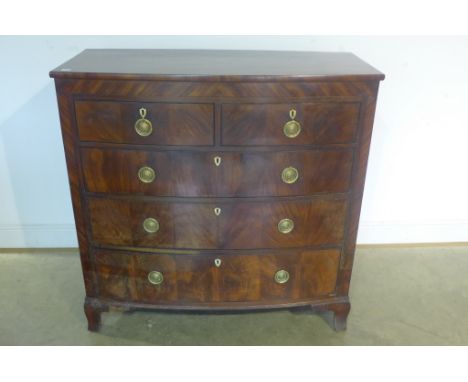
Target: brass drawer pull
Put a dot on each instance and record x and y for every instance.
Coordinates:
(146, 174)
(292, 128)
(217, 161)
(290, 175)
(282, 276)
(155, 277)
(217, 262)
(151, 225)
(285, 226)
(143, 126)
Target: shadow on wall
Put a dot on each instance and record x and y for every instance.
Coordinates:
(35, 163)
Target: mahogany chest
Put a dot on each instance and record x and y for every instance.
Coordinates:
(216, 180)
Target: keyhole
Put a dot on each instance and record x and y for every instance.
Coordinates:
(217, 262)
(143, 112)
(217, 161)
(292, 114)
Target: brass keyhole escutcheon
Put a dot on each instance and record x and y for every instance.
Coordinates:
(285, 226)
(143, 126)
(290, 175)
(155, 277)
(217, 262)
(217, 161)
(146, 174)
(292, 128)
(217, 211)
(281, 276)
(151, 225)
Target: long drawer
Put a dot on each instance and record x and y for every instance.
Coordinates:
(289, 124)
(145, 123)
(224, 174)
(234, 224)
(184, 279)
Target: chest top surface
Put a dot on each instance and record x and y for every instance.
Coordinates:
(216, 65)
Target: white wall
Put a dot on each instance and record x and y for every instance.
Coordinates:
(416, 189)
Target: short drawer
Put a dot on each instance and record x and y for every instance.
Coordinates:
(184, 279)
(218, 223)
(145, 123)
(289, 124)
(198, 174)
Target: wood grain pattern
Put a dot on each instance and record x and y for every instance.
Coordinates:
(190, 279)
(262, 124)
(173, 124)
(240, 225)
(215, 65)
(78, 203)
(233, 106)
(194, 174)
(358, 181)
(181, 91)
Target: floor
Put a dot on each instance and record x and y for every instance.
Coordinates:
(399, 296)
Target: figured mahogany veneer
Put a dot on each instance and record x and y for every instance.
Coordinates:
(194, 278)
(193, 174)
(260, 124)
(173, 124)
(195, 225)
(204, 233)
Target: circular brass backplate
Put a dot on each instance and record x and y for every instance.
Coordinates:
(146, 174)
(285, 225)
(292, 129)
(281, 276)
(155, 277)
(143, 127)
(290, 175)
(151, 225)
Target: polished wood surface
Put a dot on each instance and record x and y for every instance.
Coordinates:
(211, 91)
(240, 225)
(203, 105)
(173, 124)
(262, 124)
(217, 65)
(239, 278)
(194, 174)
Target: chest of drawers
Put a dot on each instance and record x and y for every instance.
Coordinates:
(216, 180)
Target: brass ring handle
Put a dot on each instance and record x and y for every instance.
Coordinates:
(155, 277)
(285, 226)
(143, 126)
(146, 174)
(282, 276)
(151, 225)
(292, 128)
(290, 175)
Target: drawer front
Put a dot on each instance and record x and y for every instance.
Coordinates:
(185, 279)
(245, 225)
(195, 174)
(175, 173)
(179, 225)
(227, 225)
(264, 124)
(157, 123)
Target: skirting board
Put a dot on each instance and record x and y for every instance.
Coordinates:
(64, 235)
(38, 236)
(412, 232)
